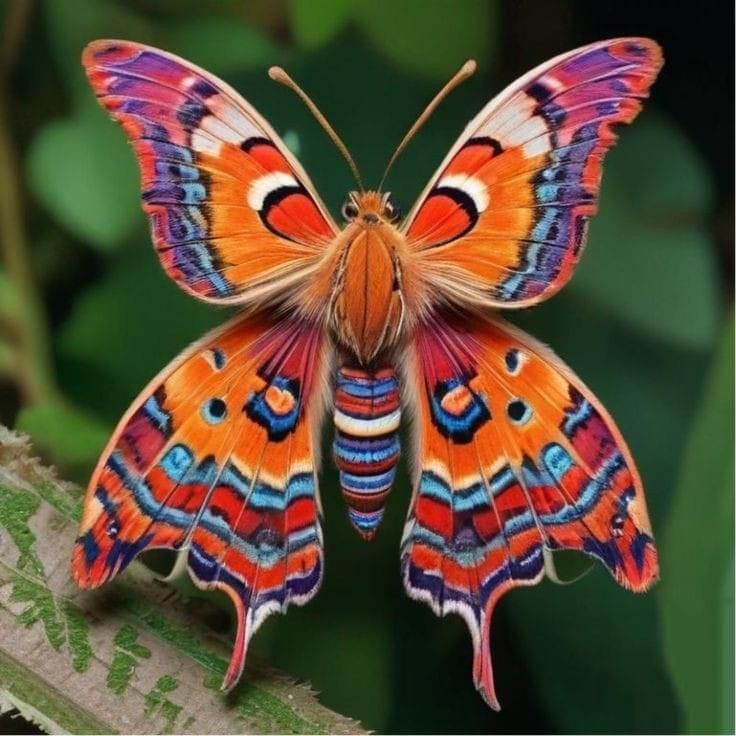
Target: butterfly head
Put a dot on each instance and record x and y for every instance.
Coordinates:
(370, 208)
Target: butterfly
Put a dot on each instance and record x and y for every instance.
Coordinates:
(513, 455)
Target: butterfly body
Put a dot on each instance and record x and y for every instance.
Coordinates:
(513, 454)
(366, 448)
(365, 280)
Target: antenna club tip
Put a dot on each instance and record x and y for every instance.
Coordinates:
(276, 73)
(469, 67)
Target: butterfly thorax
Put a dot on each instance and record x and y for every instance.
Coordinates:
(363, 279)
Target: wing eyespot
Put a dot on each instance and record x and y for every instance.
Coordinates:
(214, 410)
(217, 358)
(512, 361)
(518, 411)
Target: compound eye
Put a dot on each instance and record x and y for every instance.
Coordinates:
(349, 211)
(392, 212)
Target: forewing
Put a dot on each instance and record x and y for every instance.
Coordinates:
(514, 454)
(217, 457)
(233, 215)
(504, 220)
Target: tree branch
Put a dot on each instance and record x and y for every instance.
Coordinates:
(132, 657)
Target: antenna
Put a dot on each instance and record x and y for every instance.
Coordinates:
(465, 71)
(279, 75)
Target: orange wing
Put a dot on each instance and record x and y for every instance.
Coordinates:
(503, 221)
(234, 216)
(515, 455)
(217, 458)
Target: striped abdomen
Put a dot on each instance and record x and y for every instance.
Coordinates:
(367, 414)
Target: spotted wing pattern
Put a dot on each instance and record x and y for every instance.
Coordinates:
(515, 454)
(504, 221)
(234, 217)
(217, 458)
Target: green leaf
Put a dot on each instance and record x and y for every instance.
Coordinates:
(315, 24)
(650, 260)
(127, 327)
(698, 557)
(430, 38)
(9, 300)
(72, 438)
(71, 26)
(220, 46)
(83, 172)
(9, 310)
(8, 359)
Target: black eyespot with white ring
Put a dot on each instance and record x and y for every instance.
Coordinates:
(518, 411)
(214, 411)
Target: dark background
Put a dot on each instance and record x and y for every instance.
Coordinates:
(87, 317)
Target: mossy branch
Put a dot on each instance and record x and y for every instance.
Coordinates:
(131, 658)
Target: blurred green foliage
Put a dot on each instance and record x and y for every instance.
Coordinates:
(642, 323)
(698, 572)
